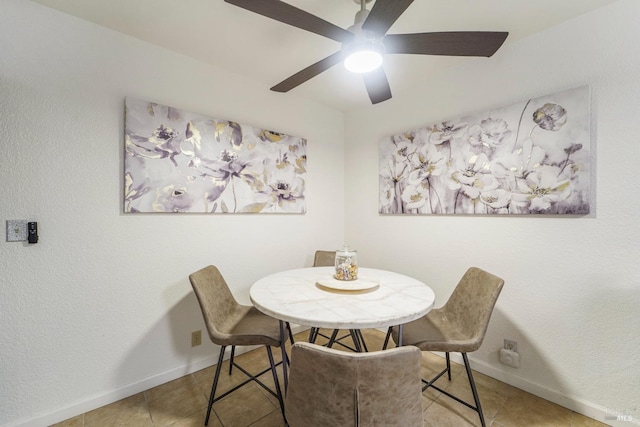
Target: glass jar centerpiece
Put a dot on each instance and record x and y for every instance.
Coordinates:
(346, 263)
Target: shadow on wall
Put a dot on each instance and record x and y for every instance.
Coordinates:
(164, 352)
(540, 373)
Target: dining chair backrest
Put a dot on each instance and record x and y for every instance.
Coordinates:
(324, 259)
(219, 307)
(329, 387)
(471, 304)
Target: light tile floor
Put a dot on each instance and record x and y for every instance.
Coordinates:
(183, 402)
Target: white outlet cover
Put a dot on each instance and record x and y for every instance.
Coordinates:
(509, 358)
(16, 230)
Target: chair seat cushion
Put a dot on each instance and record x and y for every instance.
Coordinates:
(249, 326)
(434, 332)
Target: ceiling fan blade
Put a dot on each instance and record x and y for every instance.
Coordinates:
(454, 43)
(377, 85)
(284, 12)
(383, 14)
(308, 73)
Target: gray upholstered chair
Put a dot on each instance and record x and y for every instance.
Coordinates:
(324, 259)
(232, 324)
(329, 387)
(459, 326)
(328, 259)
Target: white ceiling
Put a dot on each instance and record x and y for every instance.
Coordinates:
(268, 51)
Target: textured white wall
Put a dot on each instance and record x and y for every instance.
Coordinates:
(101, 307)
(572, 287)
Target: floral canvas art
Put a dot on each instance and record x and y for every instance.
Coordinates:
(528, 158)
(176, 161)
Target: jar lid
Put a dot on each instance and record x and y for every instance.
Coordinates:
(346, 250)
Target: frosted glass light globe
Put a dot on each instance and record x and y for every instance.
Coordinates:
(363, 61)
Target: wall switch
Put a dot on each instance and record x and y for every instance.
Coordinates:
(196, 338)
(16, 231)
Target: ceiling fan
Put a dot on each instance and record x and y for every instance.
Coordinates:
(368, 36)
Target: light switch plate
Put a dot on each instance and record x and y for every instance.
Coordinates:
(16, 230)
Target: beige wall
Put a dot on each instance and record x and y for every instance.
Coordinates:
(572, 284)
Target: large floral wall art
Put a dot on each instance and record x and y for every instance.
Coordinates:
(176, 161)
(527, 158)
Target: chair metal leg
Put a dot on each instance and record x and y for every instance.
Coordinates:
(448, 365)
(283, 340)
(473, 389)
(386, 338)
(400, 333)
(355, 335)
(333, 338)
(215, 384)
(313, 335)
(356, 340)
(290, 333)
(286, 357)
(362, 341)
(276, 382)
(233, 352)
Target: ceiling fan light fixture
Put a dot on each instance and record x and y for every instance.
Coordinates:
(363, 61)
(363, 56)
(364, 53)
(369, 33)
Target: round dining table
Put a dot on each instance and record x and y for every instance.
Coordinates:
(313, 297)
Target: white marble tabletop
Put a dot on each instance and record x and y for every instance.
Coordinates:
(297, 296)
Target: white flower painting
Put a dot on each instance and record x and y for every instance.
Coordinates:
(528, 158)
(176, 161)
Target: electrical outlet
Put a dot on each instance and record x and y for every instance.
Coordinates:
(196, 338)
(509, 358)
(509, 354)
(511, 345)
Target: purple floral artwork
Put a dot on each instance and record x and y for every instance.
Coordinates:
(176, 161)
(528, 158)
